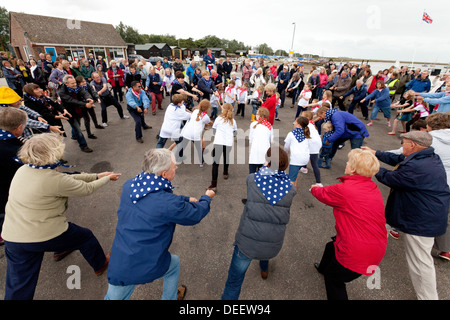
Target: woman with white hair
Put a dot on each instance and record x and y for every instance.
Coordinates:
(35, 220)
(147, 216)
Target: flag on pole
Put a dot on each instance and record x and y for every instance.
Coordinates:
(427, 18)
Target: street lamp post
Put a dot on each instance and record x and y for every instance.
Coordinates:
(293, 35)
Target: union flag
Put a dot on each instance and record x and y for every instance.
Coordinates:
(427, 18)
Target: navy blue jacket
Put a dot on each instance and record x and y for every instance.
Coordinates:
(144, 232)
(347, 126)
(419, 199)
(358, 94)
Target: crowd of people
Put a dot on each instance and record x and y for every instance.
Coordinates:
(34, 193)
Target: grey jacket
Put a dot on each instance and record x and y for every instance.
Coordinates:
(260, 234)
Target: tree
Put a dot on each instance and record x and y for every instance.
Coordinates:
(129, 34)
(265, 49)
(4, 28)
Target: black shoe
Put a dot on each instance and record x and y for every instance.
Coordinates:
(316, 265)
(147, 127)
(140, 140)
(92, 136)
(244, 201)
(97, 126)
(277, 119)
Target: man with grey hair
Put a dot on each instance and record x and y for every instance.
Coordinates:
(12, 124)
(341, 86)
(147, 216)
(359, 92)
(417, 204)
(74, 98)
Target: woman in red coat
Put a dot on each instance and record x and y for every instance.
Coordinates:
(115, 78)
(361, 236)
(271, 101)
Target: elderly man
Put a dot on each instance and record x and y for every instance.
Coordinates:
(137, 106)
(154, 86)
(106, 98)
(417, 204)
(217, 79)
(421, 83)
(12, 124)
(147, 216)
(359, 92)
(341, 86)
(74, 98)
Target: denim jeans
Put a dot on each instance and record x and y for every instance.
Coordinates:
(77, 134)
(355, 143)
(170, 284)
(162, 142)
(236, 274)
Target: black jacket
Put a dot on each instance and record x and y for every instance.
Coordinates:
(8, 167)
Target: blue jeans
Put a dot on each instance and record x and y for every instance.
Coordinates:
(293, 172)
(77, 134)
(162, 142)
(236, 274)
(355, 143)
(376, 108)
(170, 284)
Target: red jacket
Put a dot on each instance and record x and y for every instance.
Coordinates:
(358, 208)
(111, 77)
(271, 104)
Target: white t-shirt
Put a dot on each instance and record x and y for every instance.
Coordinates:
(260, 139)
(315, 143)
(299, 151)
(193, 129)
(242, 95)
(224, 132)
(304, 100)
(231, 92)
(422, 110)
(172, 121)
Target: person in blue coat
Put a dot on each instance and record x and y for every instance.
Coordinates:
(417, 205)
(147, 216)
(442, 99)
(382, 102)
(420, 84)
(346, 127)
(209, 60)
(137, 105)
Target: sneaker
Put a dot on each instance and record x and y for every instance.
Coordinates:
(388, 123)
(445, 255)
(202, 165)
(126, 117)
(104, 124)
(304, 170)
(319, 184)
(394, 233)
(92, 136)
(370, 124)
(277, 119)
(99, 127)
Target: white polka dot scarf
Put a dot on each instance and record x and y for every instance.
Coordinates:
(145, 183)
(273, 184)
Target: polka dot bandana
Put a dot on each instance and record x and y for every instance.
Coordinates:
(5, 135)
(273, 184)
(299, 134)
(145, 183)
(45, 166)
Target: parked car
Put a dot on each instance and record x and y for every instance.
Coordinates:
(153, 60)
(134, 56)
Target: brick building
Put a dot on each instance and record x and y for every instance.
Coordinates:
(33, 34)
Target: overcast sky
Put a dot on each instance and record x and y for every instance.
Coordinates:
(388, 30)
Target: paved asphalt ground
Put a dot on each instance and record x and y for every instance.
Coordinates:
(205, 249)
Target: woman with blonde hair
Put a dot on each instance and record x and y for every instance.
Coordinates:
(358, 207)
(225, 129)
(35, 220)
